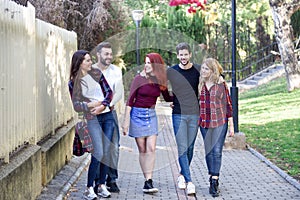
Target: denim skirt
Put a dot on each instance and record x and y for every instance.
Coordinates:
(143, 122)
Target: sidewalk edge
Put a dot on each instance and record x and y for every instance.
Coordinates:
(73, 178)
(283, 174)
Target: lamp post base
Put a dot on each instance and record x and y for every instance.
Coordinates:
(238, 141)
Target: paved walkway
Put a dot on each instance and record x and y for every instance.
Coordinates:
(243, 175)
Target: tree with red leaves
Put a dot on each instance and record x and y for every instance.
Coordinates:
(194, 5)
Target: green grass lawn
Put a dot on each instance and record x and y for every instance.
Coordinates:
(270, 118)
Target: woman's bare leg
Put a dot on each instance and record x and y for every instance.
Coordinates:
(146, 146)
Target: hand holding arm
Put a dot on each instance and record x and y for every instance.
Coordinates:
(94, 104)
(98, 109)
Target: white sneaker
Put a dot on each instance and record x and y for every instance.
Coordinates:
(89, 194)
(103, 192)
(190, 188)
(181, 182)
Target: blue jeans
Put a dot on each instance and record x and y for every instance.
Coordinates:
(112, 174)
(96, 133)
(106, 121)
(214, 139)
(185, 129)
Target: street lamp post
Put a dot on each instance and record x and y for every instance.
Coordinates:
(137, 16)
(234, 90)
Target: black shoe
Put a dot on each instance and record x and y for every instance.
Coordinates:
(148, 187)
(113, 187)
(210, 187)
(214, 187)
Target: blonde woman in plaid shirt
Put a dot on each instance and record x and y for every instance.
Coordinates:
(215, 113)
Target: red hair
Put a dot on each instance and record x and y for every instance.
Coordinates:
(159, 69)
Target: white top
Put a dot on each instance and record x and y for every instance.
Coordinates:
(91, 89)
(113, 76)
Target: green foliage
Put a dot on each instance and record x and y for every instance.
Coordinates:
(193, 25)
(247, 14)
(246, 10)
(254, 31)
(270, 118)
(161, 29)
(295, 21)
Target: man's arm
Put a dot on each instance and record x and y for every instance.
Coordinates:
(119, 92)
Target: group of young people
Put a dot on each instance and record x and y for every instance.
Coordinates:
(200, 98)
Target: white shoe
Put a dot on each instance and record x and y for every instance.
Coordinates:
(103, 192)
(89, 194)
(190, 188)
(181, 182)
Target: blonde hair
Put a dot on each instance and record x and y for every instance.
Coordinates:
(216, 69)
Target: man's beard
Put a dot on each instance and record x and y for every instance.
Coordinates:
(103, 62)
(187, 62)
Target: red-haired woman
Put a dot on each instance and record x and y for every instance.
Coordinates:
(140, 119)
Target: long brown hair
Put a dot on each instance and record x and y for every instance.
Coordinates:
(159, 69)
(75, 72)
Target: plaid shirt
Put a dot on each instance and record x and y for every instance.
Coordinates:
(80, 102)
(215, 106)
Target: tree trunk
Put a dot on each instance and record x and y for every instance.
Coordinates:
(282, 12)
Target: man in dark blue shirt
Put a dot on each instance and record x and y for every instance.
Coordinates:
(184, 79)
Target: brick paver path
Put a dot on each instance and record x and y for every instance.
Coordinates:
(243, 175)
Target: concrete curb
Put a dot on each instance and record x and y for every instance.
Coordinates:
(73, 178)
(283, 174)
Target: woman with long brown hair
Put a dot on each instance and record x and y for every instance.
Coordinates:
(92, 95)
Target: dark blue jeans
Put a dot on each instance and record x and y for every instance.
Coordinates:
(112, 174)
(106, 121)
(214, 139)
(185, 129)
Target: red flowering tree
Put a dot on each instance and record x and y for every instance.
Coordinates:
(194, 5)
